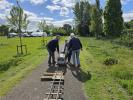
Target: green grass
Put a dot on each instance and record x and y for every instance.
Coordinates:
(107, 82)
(16, 68)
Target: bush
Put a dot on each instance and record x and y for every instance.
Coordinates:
(110, 61)
(127, 37)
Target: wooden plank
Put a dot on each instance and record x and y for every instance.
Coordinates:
(53, 93)
(43, 78)
(58, 77)
(50, 74)
(52, 99)
(52, 77)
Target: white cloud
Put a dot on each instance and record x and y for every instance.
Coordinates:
(4, 4)
(65, 3)
(53, 7)
(128, 16)
(34, 20)
(35, 2)
(5, 7)
(62, 22)
(64, 11)
(124, 2)
(55, 1)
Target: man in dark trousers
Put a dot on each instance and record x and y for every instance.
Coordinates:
(75, 45)
(67, 52)
(51, 47)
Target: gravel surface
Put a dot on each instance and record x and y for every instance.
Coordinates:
(31, 88)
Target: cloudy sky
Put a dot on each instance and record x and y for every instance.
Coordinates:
(56, 12)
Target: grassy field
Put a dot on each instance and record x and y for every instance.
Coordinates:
(101, 82)
(13, 68)
(107, 82)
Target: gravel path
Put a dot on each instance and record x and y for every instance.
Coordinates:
(31, 88)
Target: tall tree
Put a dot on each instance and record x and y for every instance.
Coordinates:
(113, 21)
(67, 28)
(42, 25)
(4, 30)
(16, 21)
(25, 23)
(96, 23)
(82, 17)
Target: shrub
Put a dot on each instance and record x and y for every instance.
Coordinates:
(110, 61)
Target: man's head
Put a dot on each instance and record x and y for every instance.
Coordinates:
(72, 35)
(58, 37)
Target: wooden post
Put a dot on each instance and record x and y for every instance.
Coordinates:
(17, 50)
(26, 48)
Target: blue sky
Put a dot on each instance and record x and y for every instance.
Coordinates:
(55, 12)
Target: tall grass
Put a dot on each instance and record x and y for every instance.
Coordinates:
(108, 82)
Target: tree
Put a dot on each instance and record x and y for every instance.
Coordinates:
(129, 25)
(82, 17)
(96, 23)
(4, 30)
(42, 25)
(113, 21)
(26, 23)
(67, 28)
(16, 21)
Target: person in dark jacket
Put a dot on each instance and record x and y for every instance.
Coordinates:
(51, 47)
(67, 52)
(75, 45)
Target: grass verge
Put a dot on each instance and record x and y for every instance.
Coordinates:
(106, 82)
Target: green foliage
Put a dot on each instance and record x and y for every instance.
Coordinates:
(59, 31)
(127, 37)
(127, 84)
(96, 20)
(106, 82)
(17, 19)
(4, 66)
(67, 28)
(82, 17)
(125, 78)
(4, 30)
(12, 68)
(129, 25)
(42, 25)
(110, 61)
(113, 21)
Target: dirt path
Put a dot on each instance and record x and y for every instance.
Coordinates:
(31, 88)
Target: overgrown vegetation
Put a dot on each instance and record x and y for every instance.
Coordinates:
(114, 82)
(113, 20)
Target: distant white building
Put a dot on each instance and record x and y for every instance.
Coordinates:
(38, 34)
